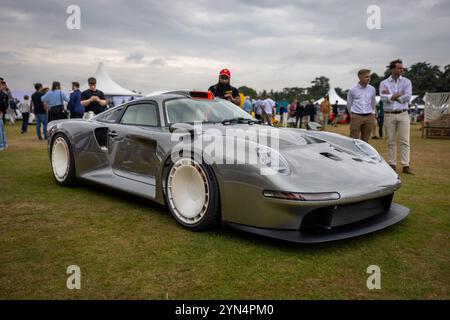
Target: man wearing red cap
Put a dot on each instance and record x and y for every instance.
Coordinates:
(224, 90)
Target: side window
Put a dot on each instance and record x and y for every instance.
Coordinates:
(144, 114)
(111, 116)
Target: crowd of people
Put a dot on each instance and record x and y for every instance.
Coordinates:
(295, 114)
(362, 111)
(47, 105)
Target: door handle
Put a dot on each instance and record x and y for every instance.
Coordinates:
(112, 134)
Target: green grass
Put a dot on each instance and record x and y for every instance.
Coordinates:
(132, 249)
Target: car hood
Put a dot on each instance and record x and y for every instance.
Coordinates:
(324, 162)
(283, 138)
(286, 138)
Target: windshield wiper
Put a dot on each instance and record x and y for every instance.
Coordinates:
(240, 120)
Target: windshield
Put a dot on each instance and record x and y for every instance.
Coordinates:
(189, 110)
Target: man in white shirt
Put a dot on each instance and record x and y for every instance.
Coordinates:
(395, 93)
(361, 103)
(267, 110)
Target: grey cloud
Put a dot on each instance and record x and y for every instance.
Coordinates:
(158, 62)
(135, 57)
(10, 56)
(147, 45)
(323, 56)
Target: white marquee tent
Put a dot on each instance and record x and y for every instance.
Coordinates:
(333, 97)
(108, 85)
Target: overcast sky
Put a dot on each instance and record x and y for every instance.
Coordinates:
(157, 45)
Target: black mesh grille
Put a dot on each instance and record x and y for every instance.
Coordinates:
(335, 216)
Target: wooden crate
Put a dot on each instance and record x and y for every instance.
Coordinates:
(438, 128)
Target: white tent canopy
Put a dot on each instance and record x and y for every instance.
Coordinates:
(108, 85)
(333, 97)
(436, 105)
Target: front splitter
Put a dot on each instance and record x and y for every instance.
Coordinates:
(395, 214)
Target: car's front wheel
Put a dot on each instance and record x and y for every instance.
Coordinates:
(61, 157)
(193, 195)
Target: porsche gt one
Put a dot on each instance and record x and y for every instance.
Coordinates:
(295, 185)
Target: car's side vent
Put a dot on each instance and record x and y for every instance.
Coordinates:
(101, 135)
(331, 156)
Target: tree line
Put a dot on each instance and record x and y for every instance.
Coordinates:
(424, 76)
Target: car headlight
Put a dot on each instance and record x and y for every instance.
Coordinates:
(272, 161)
(367, 150)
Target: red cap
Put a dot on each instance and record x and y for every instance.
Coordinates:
(225, 72)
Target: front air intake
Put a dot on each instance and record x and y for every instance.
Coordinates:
(335, 216)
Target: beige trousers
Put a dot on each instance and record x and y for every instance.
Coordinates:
(374, 131)
(267, 118)
(361, 126)
(397, 124)
(284, 119)
(325, 120)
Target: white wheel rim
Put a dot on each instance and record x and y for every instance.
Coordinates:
(188, 191)
(60, 159)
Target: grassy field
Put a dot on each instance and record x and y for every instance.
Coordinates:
(128, 248)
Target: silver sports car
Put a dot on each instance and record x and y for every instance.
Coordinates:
(211, 163)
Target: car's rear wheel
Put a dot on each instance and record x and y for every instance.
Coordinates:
(193, 195)
(63, 166)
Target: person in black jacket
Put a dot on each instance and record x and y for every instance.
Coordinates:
(10, 98)
(93, 99)
(335, 113)
(4, 101)
(310, 111)
(224, 90)
(39, 110)
(300, 112)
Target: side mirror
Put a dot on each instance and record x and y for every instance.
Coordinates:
(88, 115)
(184, 128)
(314, 126)
(181, 126)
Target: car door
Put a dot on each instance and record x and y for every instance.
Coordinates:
(132, 143)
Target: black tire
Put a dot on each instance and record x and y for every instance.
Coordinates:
(211, 217)
(68, 178)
